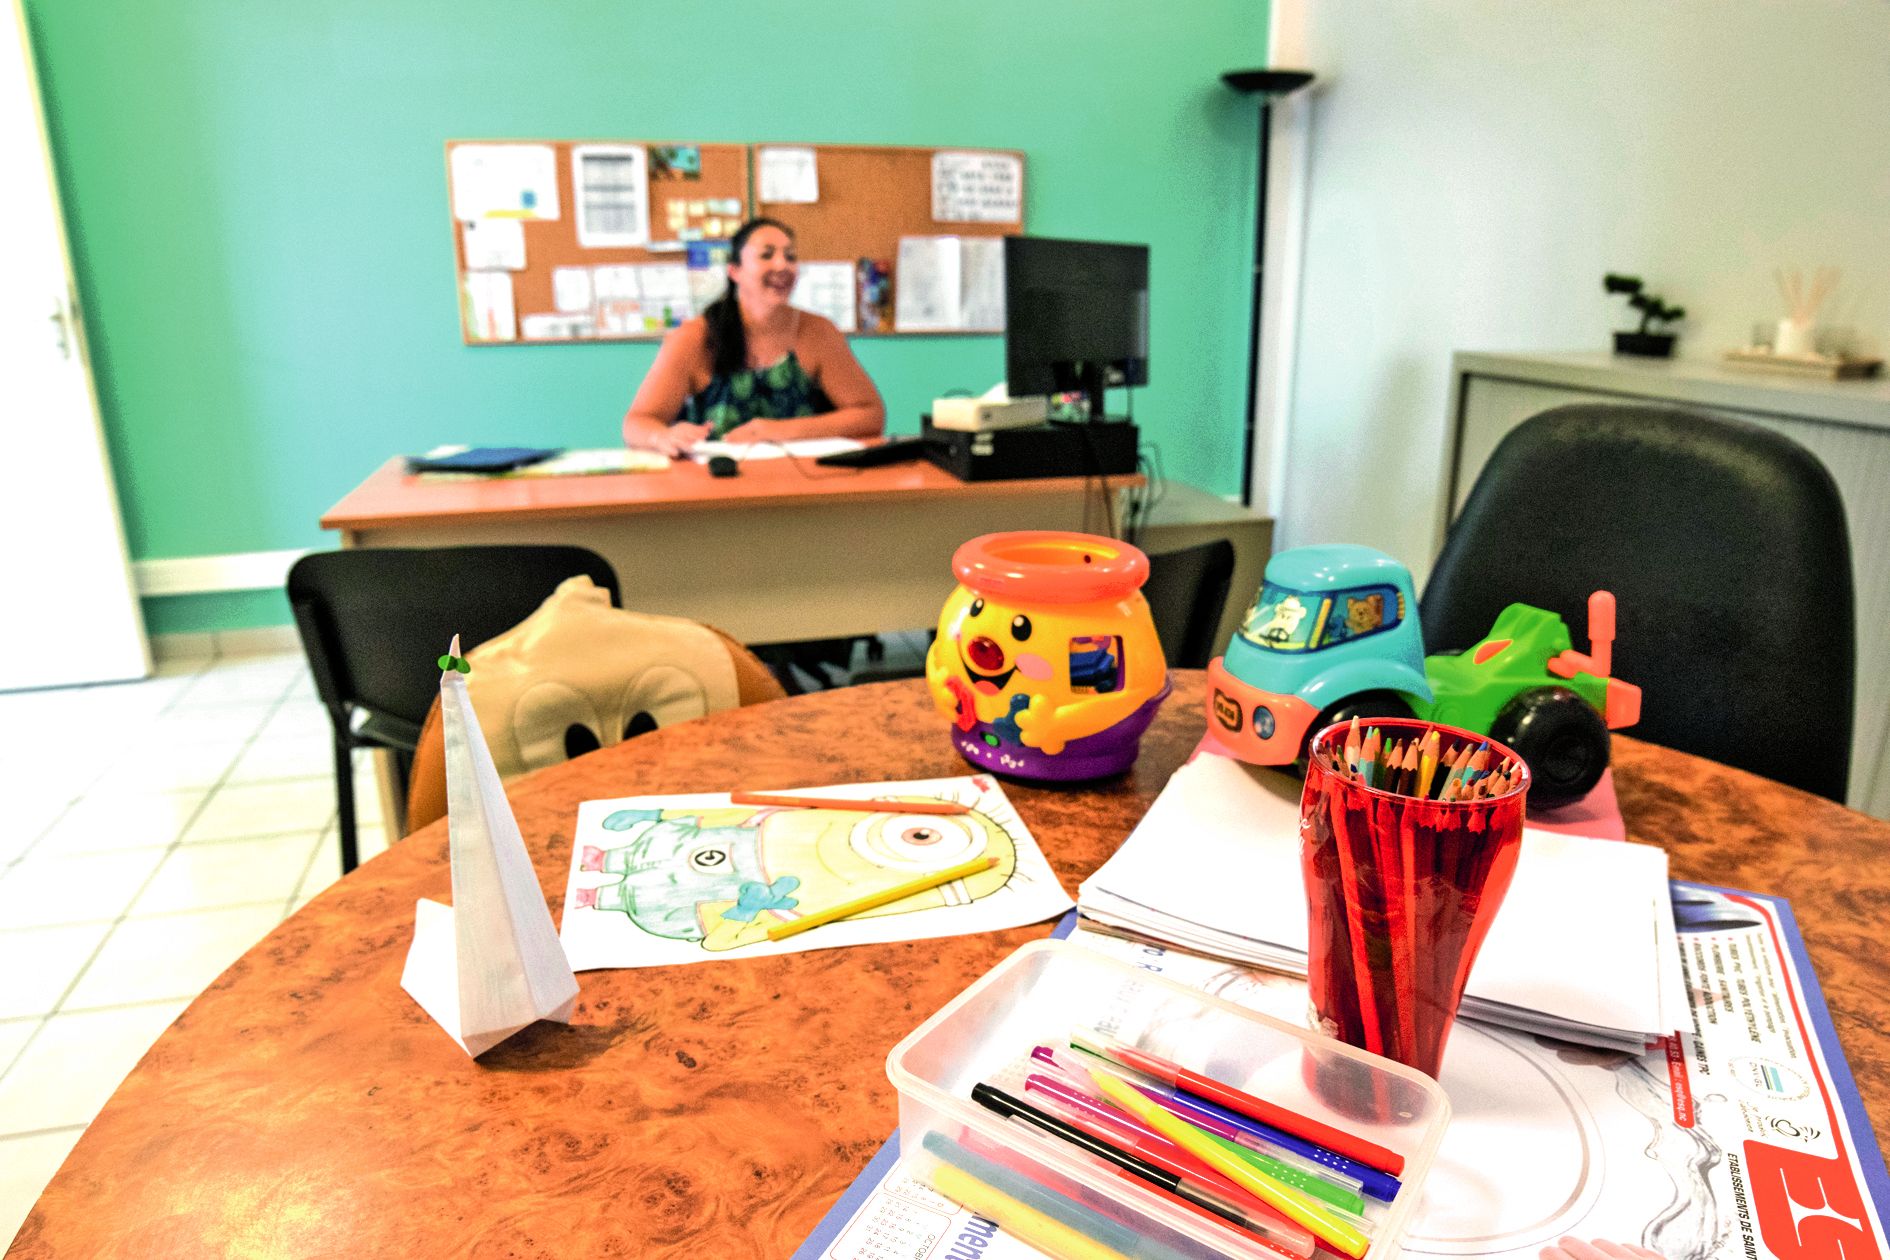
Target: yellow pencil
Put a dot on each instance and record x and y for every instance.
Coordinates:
(874, 900)
(1022, 1222)
(1335, 1233)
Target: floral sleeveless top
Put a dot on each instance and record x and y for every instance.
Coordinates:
(781, 391)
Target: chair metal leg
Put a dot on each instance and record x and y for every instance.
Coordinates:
(344, 799)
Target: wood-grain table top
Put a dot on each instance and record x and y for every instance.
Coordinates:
(304, 1106)
(393, 497)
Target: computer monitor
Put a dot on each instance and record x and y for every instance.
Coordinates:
(1075, 317)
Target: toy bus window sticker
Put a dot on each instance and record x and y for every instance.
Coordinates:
(1285, 620)
(1360, 611)
(1095, 664)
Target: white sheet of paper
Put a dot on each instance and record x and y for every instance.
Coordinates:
(504, 181)
(686, 879)
(977, 187)
(982, 283)
(665, 290)
(799, 448)
(611, 183)
(494, 244)
(787, 175)
(571, 289)
(927, 284)
(619, 298)
(550, 327)
(488, 309)
(826, 288)
(1575, 938)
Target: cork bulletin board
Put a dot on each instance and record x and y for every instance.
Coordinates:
(617, 240)
(692, 188)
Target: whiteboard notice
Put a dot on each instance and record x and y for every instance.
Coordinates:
(977, 187)
(789, 174)
(611, 183)
(504, 181)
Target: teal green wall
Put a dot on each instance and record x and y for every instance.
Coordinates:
(256, 194)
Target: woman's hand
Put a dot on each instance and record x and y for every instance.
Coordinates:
(676, 440)
(753, 431)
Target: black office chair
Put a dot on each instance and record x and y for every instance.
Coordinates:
(1726, 548)
(1187, 593)
(374, 621)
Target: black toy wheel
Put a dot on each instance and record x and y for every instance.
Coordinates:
(1562, 738)
(1364, 706)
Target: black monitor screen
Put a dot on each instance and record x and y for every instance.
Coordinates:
(1075, 316)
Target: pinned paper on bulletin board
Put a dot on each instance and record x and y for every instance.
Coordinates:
(505, 181)
(494, 244)
(827, 289)
(486, 309)
(611, 184)
(970, 187)
(949, 284)
(788, 174)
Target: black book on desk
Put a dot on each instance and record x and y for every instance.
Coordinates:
(1103, 448)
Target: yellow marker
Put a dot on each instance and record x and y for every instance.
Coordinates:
(1335, 1233)
(1020, 1221)
(872, 901)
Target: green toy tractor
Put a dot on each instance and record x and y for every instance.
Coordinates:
(1525, 686)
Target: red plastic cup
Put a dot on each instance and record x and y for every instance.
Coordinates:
(1401, 892)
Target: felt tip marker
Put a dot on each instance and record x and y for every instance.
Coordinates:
(1337, 1140)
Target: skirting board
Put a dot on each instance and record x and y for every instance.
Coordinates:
(201, 575)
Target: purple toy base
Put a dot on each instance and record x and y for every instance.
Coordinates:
(1091, 757)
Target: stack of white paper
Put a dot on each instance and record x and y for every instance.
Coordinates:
(1583, 949)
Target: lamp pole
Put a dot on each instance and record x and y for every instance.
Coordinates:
(1268, 85)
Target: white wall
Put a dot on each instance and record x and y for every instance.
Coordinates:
(1476, 165)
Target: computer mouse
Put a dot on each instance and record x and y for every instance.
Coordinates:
(723, 466)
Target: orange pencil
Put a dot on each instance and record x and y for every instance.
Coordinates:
(846, 804)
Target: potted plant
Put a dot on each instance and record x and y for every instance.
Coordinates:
(1655, 345)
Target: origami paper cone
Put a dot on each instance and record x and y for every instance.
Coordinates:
(491, 963)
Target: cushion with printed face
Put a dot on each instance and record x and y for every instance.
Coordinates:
(579, 675)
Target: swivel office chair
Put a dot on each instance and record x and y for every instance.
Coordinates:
(1727, 550)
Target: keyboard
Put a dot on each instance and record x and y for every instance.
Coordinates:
(897, 451)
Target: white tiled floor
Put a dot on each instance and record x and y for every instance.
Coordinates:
(150, 833)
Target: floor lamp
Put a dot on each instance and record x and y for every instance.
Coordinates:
(1268, 85)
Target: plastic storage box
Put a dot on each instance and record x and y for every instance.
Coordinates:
(1048, 989)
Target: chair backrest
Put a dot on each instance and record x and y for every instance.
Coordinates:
(1727, 550)
(1187, 593)
(373, 620)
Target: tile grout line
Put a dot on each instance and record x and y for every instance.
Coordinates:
(123, 915)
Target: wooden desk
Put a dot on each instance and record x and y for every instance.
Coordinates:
(304, 1106)
(786, 550)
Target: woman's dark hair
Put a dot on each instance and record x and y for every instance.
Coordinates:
(728, 340)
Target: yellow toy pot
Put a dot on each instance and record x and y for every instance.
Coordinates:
(1047, 661)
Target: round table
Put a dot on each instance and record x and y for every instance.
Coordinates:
(304, 1106)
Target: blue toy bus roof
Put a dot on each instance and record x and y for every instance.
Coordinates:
(1330, 566)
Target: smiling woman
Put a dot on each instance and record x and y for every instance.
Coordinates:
(752, 367)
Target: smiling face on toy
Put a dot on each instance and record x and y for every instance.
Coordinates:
(994, 646)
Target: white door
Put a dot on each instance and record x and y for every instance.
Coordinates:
(68, 613)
